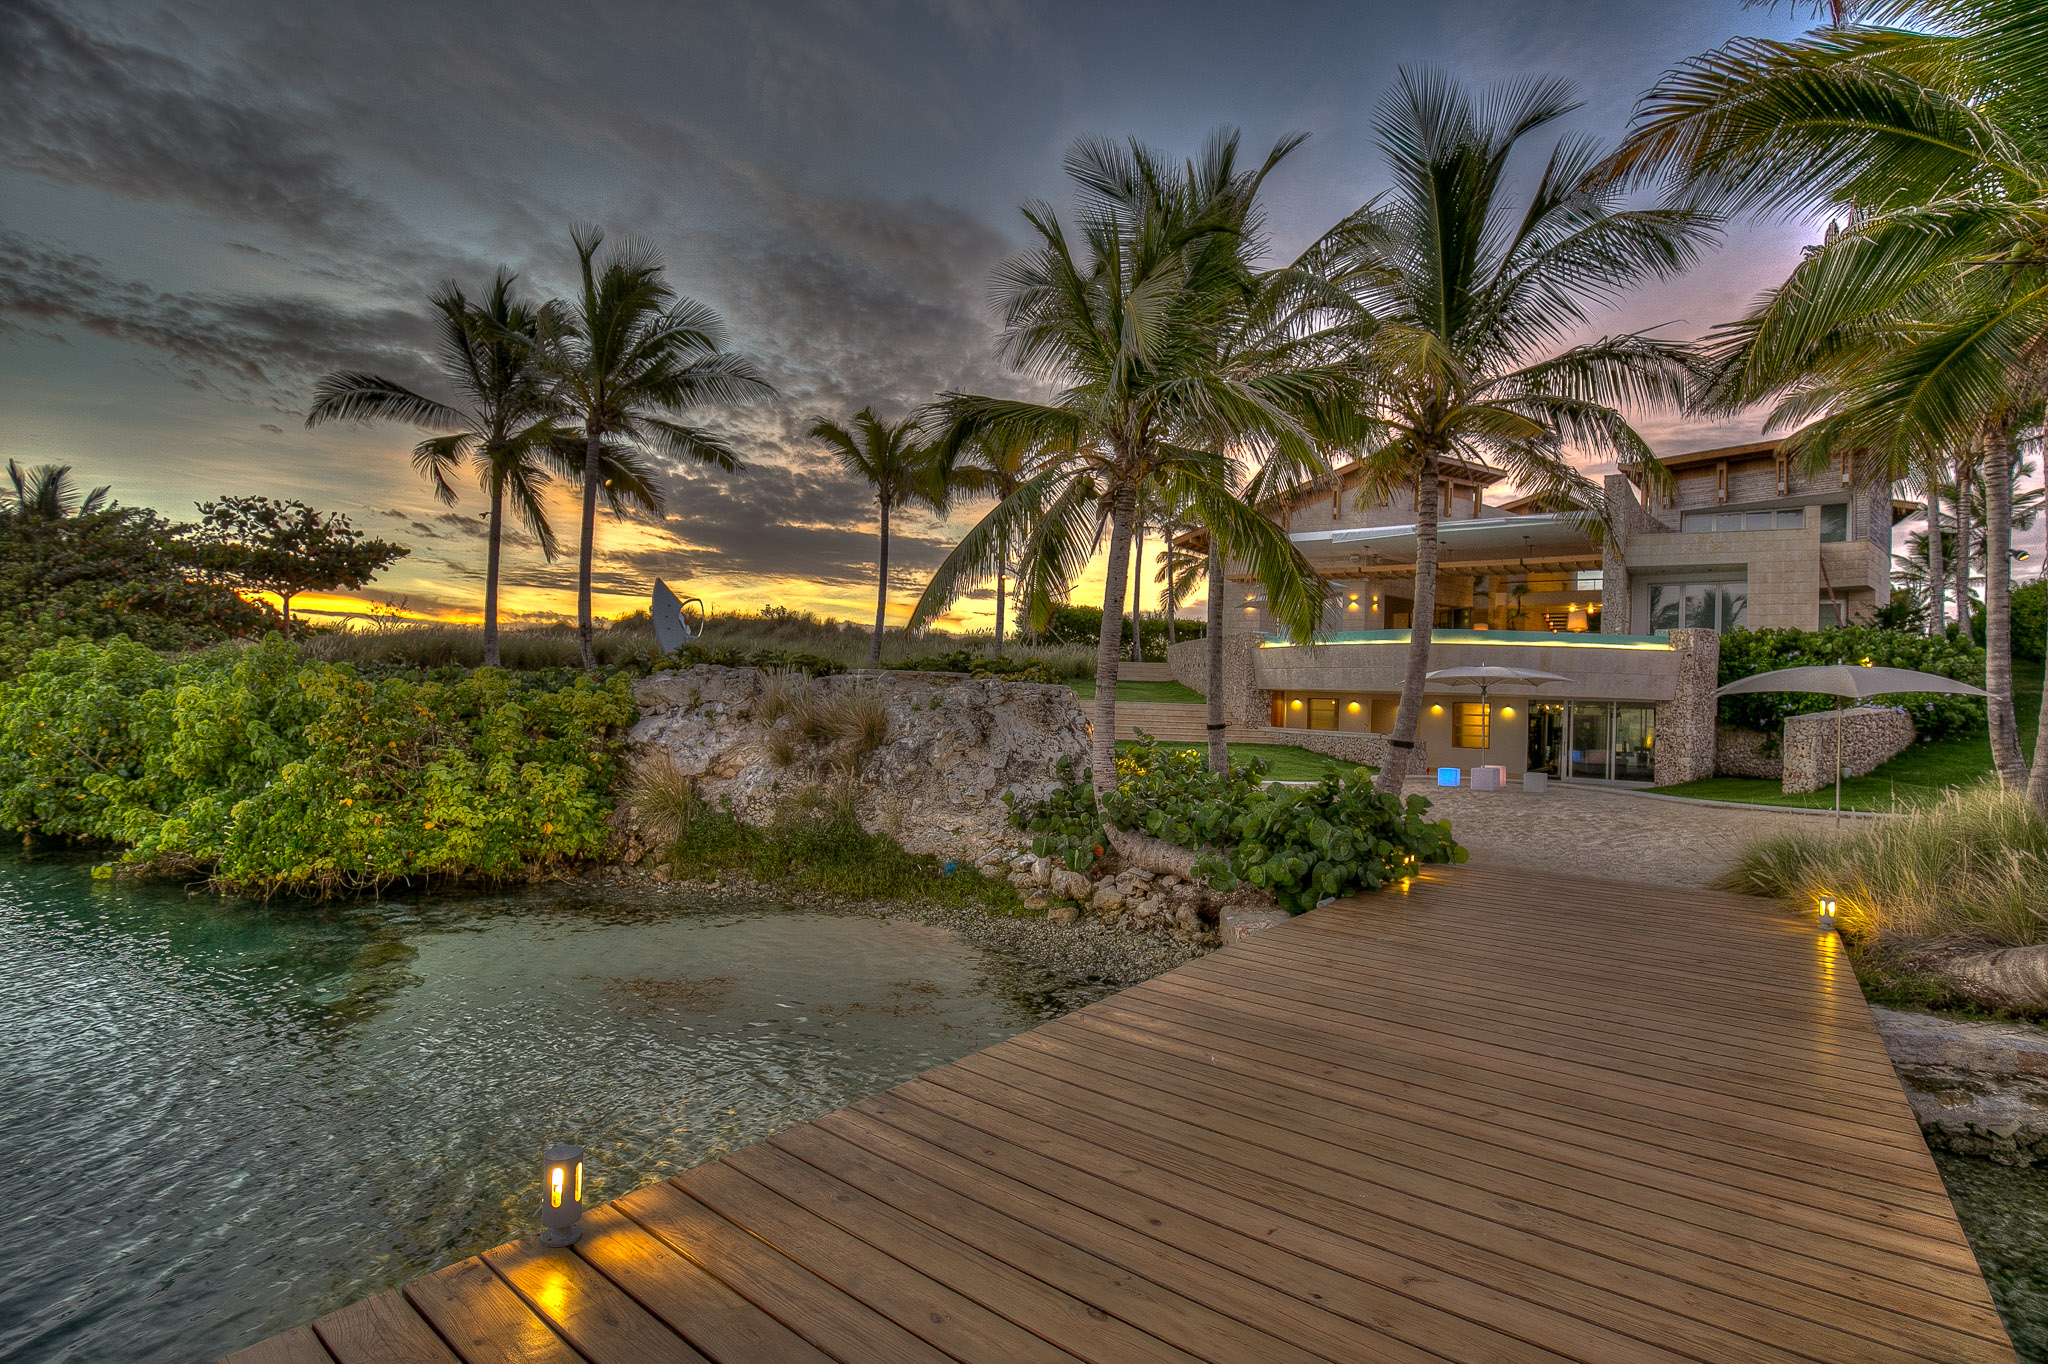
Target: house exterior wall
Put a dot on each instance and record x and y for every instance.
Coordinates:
(1782, 568)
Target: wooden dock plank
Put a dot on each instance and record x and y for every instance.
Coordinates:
(483, 1320)
(1479, 1119)
(385, 1329)
(296, 1346)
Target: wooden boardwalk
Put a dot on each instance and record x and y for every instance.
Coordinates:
(1496, 1118)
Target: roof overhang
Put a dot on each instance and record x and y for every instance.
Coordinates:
(1546, 535)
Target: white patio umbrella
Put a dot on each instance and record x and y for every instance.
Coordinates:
(1492, 675)
(1854, 681)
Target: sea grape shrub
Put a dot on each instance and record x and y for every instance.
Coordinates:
(1939, 717)
(1299, 844)
(273, 774)
(1065, 825)
(1307, 844)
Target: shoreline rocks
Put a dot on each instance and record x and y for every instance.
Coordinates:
(1977, 1089)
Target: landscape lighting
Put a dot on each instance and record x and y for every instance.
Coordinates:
(1827, 915)
(562, 1190)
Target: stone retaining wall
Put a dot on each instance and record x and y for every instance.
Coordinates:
(1747, 753)
(1870, 735)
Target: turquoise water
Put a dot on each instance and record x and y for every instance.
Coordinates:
(2005, 1212)
(219, 1118)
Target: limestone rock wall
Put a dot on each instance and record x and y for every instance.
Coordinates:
(1747, 753)
(1244, 702)
(1685, 724)
(935, 784)
(1870, 735)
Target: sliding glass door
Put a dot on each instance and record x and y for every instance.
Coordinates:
(1589, 741)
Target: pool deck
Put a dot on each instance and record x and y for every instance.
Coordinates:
(1500, 1117)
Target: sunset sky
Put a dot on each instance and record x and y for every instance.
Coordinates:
(204, 206)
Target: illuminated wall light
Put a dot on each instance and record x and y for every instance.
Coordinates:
(1436, 710)
(1294, 705)
(1507, 712)
(1352, 707)
(562, 1186)
(1828, 919)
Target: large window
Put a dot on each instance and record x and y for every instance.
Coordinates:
(1471, 725)
(1322, 712)
(1834, 522)
(1783, 518)
(1698, 606)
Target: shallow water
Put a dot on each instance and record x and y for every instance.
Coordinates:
(219, 1119)
(2005, 1212)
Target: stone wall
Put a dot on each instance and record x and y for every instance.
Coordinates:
(1870, 735)
(935, 784)
(1684, 748)
(1743, 752)
(1244, 702)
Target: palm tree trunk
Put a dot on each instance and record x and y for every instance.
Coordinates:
(1219, 747)
(2037, 781)
(2005, 731)
(491, 571)
(1937, 613)
(881, 589)
(1000, 567)
(1401, 743)
(1102, 744)
(1172, 600)
(1137, 594)
(593, 453)
(1962, 559)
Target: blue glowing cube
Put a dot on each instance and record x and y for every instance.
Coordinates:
(1448, 776)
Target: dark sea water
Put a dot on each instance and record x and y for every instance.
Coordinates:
(219, 1119)
(2005, 1212)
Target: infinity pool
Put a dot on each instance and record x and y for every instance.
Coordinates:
(219, 1118)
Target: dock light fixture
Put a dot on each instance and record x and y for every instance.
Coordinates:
(562, 1194)
(1828, 921)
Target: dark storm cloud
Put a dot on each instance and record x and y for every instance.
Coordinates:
(257, 346)
(85, 109)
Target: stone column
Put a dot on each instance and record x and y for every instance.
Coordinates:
(1244, 701)
(1625, 517)
(1683, 746)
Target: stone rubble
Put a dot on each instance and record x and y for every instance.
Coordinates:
(1978, 1089)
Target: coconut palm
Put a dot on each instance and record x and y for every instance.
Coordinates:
(1465, 292)
(1123, 314)
(45, 492)
(900, 469)
(502, 424)
(1923, 324)
(995, 467)
(626, 357)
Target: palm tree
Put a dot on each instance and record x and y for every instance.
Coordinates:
(626, 358)
(996, 468)
(1462, 288)
(899, 469)
(1123, 315)
(503, 422)
(45, 492)
(1923, 324)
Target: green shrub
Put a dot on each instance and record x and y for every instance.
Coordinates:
(1299, 844)
(1746, 652)
(273, 774)
(1975, 863)
(2029, 620)
(788, 660)
(1065, 825)
(976, 665)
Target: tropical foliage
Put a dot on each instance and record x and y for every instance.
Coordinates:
(1747, 652)
(1127, 315)
(45, 492)
(272, 774)
(1301, 845)
(1917, 329)
(260, 544)
(1463, 292)
(626, 359)
(502, 423)
(901, 470)
(111, 571)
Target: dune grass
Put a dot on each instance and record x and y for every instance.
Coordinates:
(1919, 777)
(1974, 862)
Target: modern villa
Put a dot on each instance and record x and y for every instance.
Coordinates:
(1740, 538)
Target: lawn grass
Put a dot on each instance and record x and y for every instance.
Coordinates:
(1084, 687)
(1288, 762)
(1917, 777)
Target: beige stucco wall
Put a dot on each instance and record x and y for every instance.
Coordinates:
(1783, 568)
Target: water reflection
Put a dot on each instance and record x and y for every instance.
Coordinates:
(222, 1118)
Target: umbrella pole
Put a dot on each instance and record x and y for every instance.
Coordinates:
(1838, 764)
